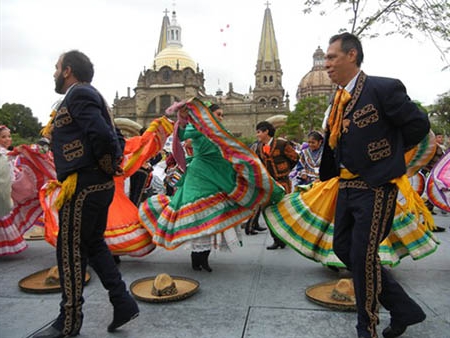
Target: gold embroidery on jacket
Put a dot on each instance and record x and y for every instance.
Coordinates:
(73, 150)
(62, 117)
(379, 149)
(365, 116)
(356, 93)
(105, 163)
(353, 184)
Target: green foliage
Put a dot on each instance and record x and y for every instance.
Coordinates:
(247, 140)
(440, 114)
(307, 116)
(25, 128)
(404, 17)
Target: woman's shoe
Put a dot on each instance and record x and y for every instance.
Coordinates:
(196, 261)
(204, 260)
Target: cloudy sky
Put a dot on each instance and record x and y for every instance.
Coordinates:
(120, 37)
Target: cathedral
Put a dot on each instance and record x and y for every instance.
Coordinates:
(175, 76)
(316, 82)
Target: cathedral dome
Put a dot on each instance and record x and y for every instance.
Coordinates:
(316, 82)
(173, 55)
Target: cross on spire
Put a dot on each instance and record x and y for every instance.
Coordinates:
(267, 4)
(166, 12)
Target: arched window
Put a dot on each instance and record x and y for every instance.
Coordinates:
(265, 79)
(166, 75)
(271, 78)
(151, 109)
(164, 103)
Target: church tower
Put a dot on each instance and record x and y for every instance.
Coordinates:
(172, 76)
(268, 87)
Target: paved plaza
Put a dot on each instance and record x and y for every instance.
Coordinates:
(251, 293)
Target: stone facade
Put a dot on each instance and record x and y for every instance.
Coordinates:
(173, 78)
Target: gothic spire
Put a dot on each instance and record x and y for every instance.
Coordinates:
(163, 34)
(268, 49)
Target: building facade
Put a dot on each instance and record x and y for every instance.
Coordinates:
(316, 82)
(175, 76)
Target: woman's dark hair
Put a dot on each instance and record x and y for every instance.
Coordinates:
(348, 42)
(82, 67)
(264, 125)
(315, 135)
(213, 107)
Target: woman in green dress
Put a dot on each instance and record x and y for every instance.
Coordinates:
(223, 181)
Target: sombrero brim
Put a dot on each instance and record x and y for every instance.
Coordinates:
(321, 294)
(35, 283)
(34, 234)
(141, 289)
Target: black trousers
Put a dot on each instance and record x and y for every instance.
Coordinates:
(82, 222)
(363, 219)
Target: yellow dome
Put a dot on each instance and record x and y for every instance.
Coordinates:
(170, 55)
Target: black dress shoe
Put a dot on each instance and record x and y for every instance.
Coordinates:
(51, 332)
(259, 228)
(274, 246)
(438, 229)
(393, 331)
(123, 315)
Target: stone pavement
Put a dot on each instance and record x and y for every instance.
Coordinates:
(252, 293)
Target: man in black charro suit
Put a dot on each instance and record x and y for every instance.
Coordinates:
(87, 152)
(371, 125)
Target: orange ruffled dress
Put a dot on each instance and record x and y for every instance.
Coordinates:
(124, 233)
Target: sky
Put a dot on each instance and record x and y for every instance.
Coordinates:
(121, 36)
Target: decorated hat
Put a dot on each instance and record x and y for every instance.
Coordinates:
(338, 294)
(163, 288)
(44, 281)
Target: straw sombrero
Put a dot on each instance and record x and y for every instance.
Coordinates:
(163, 288)
(338, 294)
(44, 281)
(35, 233)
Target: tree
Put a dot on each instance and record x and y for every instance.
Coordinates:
(307, 116)
(440, 114)
(21, 122)
(404, 17)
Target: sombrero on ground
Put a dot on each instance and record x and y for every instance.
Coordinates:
(163, 288)
(338, 294)
(35, 233)
(44, 281)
